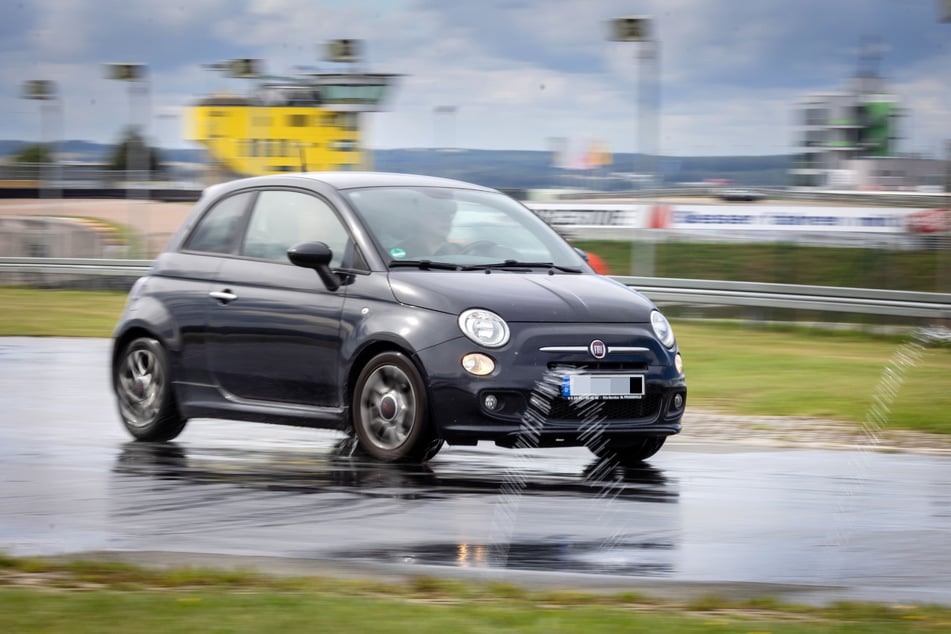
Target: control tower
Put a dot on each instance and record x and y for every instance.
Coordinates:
(307, 122)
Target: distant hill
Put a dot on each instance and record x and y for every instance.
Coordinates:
(505, 169)
(89, 152)
(528, 169)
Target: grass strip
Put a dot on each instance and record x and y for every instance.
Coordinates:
(923, 269)
(793, 372)
(32, 312)
(87, 596)
(731, 367)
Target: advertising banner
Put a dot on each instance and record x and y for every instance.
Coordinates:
(590, 214)
(786, 218)
(797, 218)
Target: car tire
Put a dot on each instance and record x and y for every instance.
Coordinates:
(390, 411)
(144, 393)
(631, 453)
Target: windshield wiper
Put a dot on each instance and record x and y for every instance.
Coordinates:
(517, 264)
(425, 265)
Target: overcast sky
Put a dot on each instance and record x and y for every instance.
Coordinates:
(517, 72)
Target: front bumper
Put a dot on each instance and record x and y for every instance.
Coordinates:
(527, 409)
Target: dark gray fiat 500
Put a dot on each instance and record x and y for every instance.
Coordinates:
(405, 310)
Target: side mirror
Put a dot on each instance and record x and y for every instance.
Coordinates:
(582, 253)
(316, 256)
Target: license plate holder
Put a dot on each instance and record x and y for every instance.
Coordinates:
(602, 387)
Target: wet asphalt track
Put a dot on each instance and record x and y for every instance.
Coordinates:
(804, 525)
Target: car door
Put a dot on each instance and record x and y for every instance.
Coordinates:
(274, 333)
(183, 279)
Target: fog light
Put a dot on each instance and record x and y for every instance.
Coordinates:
(679, 364)
(478, 364)
(490, 402)
(678, 401)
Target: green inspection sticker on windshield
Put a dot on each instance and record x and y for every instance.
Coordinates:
(398, 253)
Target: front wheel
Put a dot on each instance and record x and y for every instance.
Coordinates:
(391, 412)
(631, 453)
(144, 394)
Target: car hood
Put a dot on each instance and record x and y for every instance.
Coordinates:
(524, 297)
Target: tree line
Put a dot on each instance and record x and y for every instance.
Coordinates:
(130, 153)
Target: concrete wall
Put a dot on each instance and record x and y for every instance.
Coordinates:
(42, 236)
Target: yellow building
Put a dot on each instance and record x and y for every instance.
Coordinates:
(311, 122)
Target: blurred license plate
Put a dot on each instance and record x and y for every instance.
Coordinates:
(602, 386)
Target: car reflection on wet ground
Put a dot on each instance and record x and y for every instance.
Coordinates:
(807, 524)
(334, 488)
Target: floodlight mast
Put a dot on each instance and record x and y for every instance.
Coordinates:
(137, 159)
(640, 30)
(47, 93)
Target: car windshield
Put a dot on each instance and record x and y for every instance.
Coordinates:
(458, 228)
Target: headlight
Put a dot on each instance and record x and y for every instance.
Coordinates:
(484, 327)
(662, 329)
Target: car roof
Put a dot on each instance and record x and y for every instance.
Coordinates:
(352, 180)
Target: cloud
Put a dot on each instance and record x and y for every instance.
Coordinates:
(519, 71)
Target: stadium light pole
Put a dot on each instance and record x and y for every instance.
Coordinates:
(45, 91)
(172, 117)
(448, 114)
(640, 30)
(136, 75)
(944, 13)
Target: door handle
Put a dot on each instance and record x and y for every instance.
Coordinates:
(224, 297)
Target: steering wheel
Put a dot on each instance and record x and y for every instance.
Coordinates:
(491, 249)
(477, 246)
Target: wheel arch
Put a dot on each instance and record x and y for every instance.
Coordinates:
(371, 350)
(146, 318)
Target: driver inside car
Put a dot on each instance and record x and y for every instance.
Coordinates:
(430, 235)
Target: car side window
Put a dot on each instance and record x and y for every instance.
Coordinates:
(218, 230)
(283, 218)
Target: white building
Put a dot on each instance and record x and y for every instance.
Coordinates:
(834, 130)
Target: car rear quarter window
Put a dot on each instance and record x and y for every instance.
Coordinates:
(219, 229)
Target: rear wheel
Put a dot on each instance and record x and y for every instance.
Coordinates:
(631, 453)
(391, 412)
(144, 394)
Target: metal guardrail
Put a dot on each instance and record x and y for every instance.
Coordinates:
(705, 292)
(823, 298)
(76, 266)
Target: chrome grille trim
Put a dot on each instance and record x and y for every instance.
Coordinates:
(584, 349)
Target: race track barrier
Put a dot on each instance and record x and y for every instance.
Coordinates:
(935, 306)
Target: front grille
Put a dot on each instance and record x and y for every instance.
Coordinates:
(598, 366)
(623, 409)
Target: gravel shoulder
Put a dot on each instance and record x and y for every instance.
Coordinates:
(706, 427)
